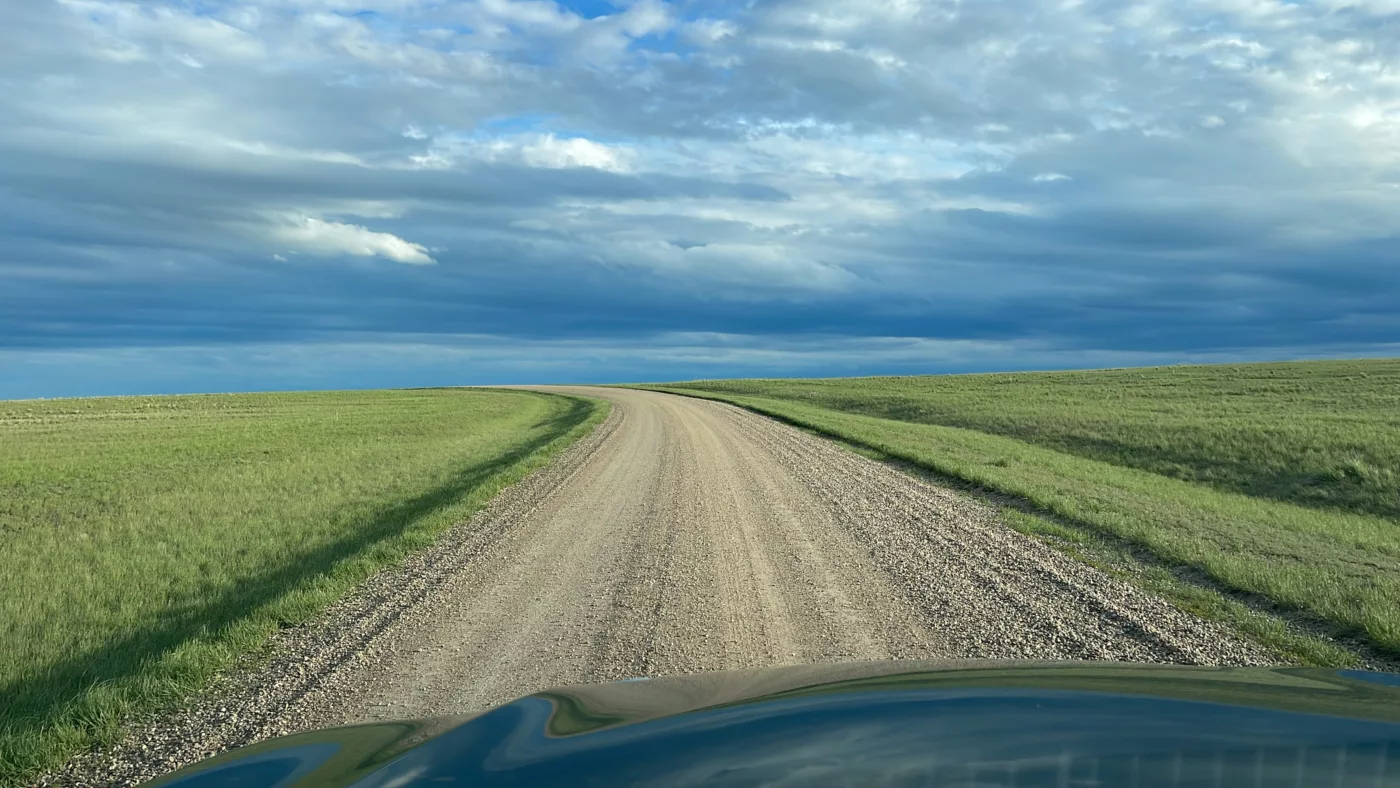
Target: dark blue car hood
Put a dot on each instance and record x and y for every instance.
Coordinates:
(884, 723)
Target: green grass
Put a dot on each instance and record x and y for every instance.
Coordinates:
(1239, 472)
(1318, 433)
(149, 542)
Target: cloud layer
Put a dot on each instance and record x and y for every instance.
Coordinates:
(1071, 180)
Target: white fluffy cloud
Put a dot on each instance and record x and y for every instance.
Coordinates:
(316, 236)
(550, 151)
(532, 150)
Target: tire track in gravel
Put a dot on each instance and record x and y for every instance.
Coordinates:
(683, 535)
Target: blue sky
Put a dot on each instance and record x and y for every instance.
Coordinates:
(361, 193)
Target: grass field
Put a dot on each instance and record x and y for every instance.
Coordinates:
(1274, 479)
(147, 542)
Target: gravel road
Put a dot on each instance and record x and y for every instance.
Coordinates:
(681, 536)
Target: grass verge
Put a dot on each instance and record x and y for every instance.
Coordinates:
(149, 542)
(1324, 434)
(1339, 569)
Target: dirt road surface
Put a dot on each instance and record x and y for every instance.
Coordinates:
(682, 536)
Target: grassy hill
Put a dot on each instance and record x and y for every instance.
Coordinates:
(1322, 434)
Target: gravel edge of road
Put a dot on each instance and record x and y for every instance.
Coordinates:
(250, 702)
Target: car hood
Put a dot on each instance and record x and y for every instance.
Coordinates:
(888, 723)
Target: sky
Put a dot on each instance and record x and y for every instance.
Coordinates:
(305, 194)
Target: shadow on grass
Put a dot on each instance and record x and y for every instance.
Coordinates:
(1344, 488)
(1354, 486)
(55, 696)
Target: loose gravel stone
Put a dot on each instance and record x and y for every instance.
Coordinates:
(681, 536)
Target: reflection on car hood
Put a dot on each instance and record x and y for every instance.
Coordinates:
(877, 723)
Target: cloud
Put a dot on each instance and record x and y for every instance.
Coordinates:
(549, 151)
(316, 236)
(531, 150)
(138, 31)
(1154, 178)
